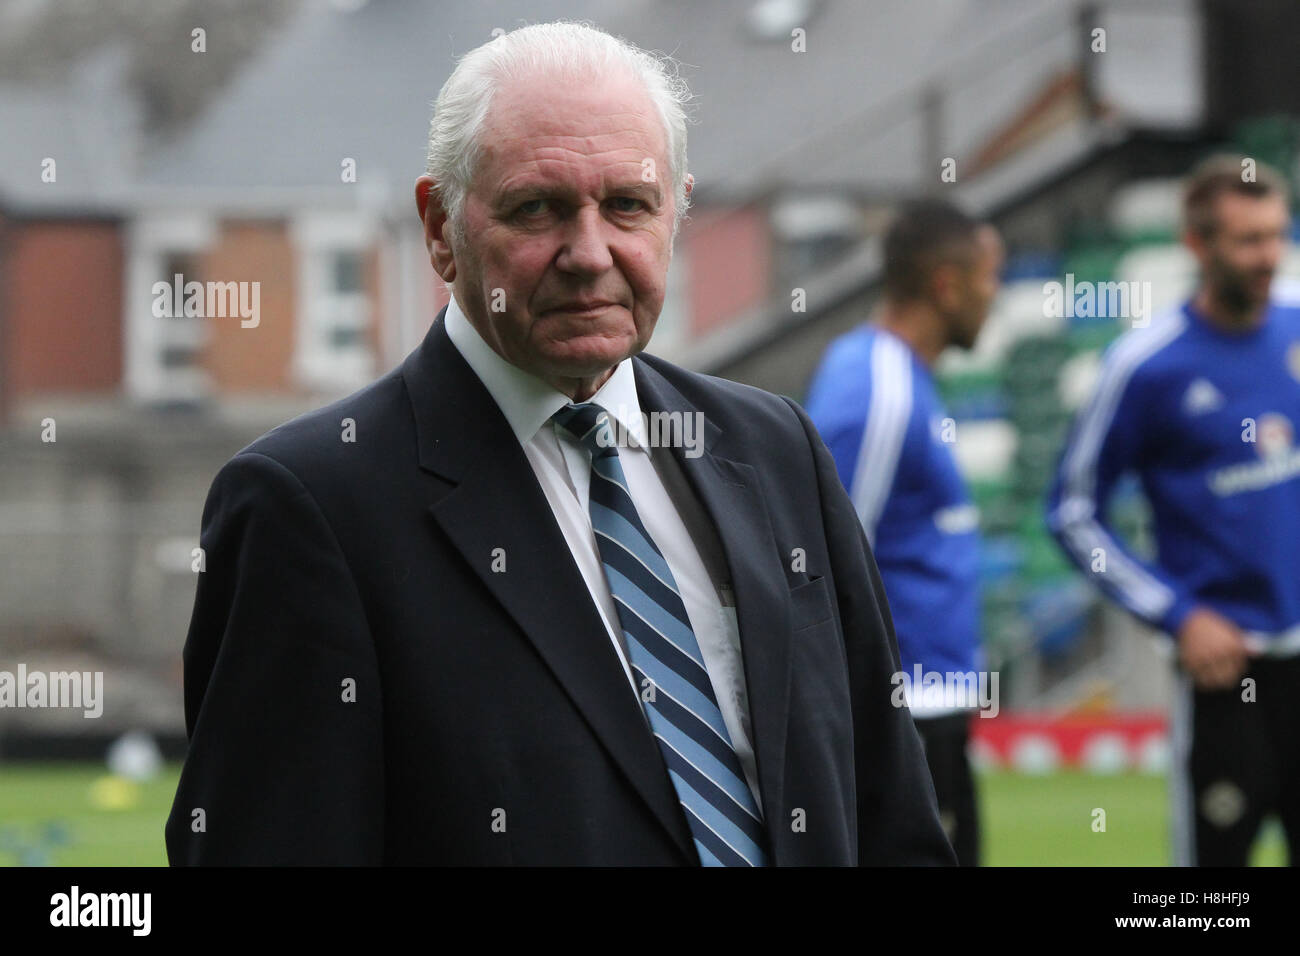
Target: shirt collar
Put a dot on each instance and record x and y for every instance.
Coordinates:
(525, 400)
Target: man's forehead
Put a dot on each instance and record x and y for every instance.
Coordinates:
(1266, 201)
(554, 115)
(535, 168)
(1237, 208)
(608, 171)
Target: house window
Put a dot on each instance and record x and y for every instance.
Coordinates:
(346, 302)
(164, 345)
(334, 351)
(181, 336)
(812, 232)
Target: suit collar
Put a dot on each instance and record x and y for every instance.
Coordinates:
(447, 400)
(525, 400)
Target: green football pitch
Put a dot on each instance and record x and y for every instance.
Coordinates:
(75, 815)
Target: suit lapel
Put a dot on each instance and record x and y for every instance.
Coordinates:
(496, 502)
(730, 492)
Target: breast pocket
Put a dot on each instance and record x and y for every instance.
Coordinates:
(810, 604)
(819, 678)
(817, 644)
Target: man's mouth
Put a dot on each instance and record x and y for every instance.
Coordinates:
(581, 308)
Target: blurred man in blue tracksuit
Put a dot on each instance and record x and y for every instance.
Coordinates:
(1202, 406)
(875, 403)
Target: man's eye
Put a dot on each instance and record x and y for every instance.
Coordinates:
(532, 208)
(627, 204)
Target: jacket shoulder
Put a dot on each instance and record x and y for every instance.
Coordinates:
(730, 405)
(365, 424)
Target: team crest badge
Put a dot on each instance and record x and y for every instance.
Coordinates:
(1275, 435)
(1293, 360)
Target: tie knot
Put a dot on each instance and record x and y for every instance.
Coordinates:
(589, 424)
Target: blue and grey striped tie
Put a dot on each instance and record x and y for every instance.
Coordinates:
(666, 660)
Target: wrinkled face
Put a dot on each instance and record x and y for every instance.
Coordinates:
(1239, 259)
(979, 287)
(567, 225)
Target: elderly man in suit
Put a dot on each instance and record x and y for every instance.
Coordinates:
(510, 623)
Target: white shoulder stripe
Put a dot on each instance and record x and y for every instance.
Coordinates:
(1076, 514)
(1128, 356)
(882, 438)
(1286, 291)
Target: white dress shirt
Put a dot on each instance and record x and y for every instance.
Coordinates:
(563, 469)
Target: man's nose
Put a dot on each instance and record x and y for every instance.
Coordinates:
(585, 250)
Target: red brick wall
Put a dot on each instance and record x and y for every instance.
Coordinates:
(729, 254)
(63, 307)
(257, 358)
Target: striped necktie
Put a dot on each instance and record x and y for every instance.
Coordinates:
(666, 661)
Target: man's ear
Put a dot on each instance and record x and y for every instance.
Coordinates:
(1197, 245)
(946, 286)
(434, 216)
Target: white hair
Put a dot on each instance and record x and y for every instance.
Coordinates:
(570, 49)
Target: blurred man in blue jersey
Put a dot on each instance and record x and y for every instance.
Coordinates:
(1202, 407)
(875, 403)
